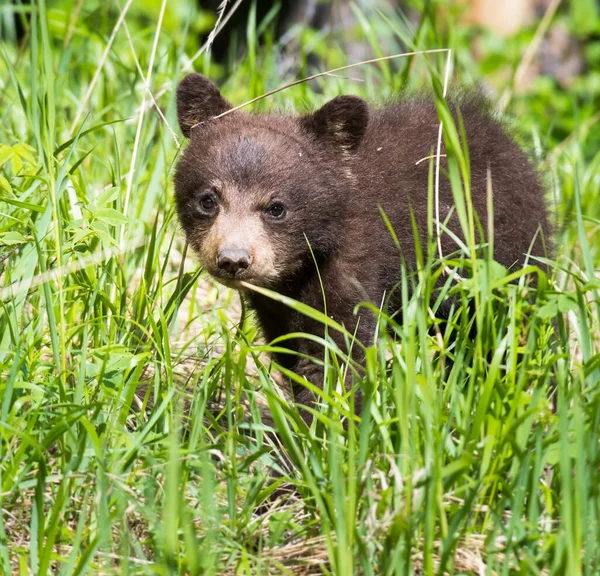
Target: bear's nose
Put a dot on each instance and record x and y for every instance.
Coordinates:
(233, 260)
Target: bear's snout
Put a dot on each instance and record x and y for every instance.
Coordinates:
(233, 260)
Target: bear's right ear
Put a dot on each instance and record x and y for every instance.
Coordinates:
(342, 121)
(198, 99)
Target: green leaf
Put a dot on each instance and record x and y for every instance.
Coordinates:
(107, 196)
(5, 184)
(16, 163)
(11, 238)
(25, 152)
(26, 205)
(5, 153)
(110, 216)
(566, 303)
(549, 309)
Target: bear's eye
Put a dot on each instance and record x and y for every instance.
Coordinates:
(275, 210)
(207, 202)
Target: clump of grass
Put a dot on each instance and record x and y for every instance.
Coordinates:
(142, 429)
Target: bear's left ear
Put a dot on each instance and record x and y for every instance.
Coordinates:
(198, 99)
(343, 121)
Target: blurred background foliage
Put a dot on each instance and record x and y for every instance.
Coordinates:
(558, 91)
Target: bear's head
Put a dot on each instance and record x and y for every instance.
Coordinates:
(260, 197)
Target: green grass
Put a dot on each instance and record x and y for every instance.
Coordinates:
(137, 412)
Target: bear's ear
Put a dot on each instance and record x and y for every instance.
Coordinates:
(198, 99)
(343, 121)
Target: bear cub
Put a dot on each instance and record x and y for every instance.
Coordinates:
(269, 199)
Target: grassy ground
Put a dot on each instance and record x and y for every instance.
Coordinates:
(137, 416)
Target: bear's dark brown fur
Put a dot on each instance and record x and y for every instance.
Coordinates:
(254, 190)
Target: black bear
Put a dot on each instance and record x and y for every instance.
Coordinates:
(270, 199)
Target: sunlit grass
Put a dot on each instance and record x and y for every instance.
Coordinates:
(142, 427)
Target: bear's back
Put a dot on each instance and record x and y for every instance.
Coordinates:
(392, 172)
